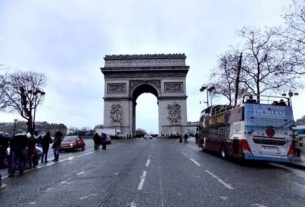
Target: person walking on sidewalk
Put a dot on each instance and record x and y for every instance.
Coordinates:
(45, 142)
(56, 145)
(18, 154)
(32, 149)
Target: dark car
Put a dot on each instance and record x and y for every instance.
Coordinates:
(72, 143)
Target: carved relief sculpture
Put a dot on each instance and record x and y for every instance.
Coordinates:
(173, 87)
(116, 88)
(116, 113)
(174, 113)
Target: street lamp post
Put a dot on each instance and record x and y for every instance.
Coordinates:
(208, 89)
(36, 94)
(15, 123)
(29, 101)
(290, 95)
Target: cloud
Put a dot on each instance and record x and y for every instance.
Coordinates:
(67, 41)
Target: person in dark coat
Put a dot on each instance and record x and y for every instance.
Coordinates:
(185, 137)
(196, 137)
(104, 141)
(3, 153)
(96, 139)
(18, 153)
(45, 142)
(32, 149)
(4, 140)
(56, 145)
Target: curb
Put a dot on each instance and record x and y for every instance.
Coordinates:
(295, 165)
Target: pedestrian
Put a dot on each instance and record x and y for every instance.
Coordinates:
(185, 137)
(3, 153)
(56, 145)
(180, 138)
(96, 139)
(196, 137)
(32, 150)
(18, 154)
(104, 140)
(45, 142)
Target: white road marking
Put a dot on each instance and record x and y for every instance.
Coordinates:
(49, 189)
(84, 197)
(133, 204)
(194, 161)
(258, 205)
(223, 198)
(140, 186)
(80, 173)
(229, 186)
(63, 182)
(185, 154)
(52, 163)
(147, 162)
(32, 203)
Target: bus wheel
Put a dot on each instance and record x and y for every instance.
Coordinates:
(223, 153)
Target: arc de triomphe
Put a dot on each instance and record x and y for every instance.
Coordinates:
(128, 76)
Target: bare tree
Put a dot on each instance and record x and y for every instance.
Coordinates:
(3, 84)
(228, 76)
(294, 35)
(265, 63)
(24, 93)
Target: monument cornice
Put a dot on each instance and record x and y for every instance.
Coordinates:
(105, 70)
(145, 56)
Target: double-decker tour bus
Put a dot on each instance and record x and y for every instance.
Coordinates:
(249, 131)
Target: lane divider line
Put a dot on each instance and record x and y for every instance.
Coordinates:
(140, 186)
(147, 162)
(194, 161)
(185, 154)
(133, 204)
(80, 173)
(229, 186)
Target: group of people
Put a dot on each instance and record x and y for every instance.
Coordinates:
(100, 140)
(185, 137)
(23, 152)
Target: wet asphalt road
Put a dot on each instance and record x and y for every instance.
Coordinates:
(157, 172)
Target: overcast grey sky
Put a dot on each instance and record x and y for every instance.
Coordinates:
(67, 40)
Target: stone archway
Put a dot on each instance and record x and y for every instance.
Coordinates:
(129, 76)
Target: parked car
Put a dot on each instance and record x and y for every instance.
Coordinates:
(147, 136)
(72, 143)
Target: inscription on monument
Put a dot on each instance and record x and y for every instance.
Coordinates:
(174, 113)
(173, 87)
(116, 88)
